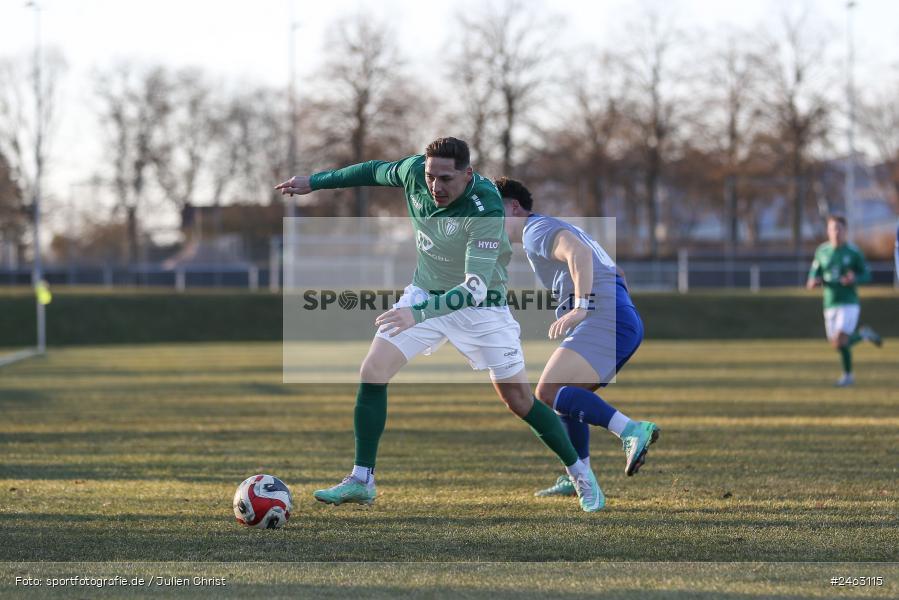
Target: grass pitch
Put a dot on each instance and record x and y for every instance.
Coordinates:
(133, 454)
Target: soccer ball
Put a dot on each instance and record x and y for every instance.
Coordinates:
(262, 501)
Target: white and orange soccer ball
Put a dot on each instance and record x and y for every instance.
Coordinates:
(262, 501)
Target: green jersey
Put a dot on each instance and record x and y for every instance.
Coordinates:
(452, 241)
(830, 264)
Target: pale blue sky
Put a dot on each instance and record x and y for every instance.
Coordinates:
(248, 41)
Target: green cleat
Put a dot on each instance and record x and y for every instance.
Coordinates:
(870, 335)
(635, 440)
(589, 493)
(562, 487)
(349, 490)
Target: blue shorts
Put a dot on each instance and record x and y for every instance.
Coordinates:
(605, 344)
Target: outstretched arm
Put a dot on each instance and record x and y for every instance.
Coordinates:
(371, 173)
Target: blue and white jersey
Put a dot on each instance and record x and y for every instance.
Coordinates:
(538, 238)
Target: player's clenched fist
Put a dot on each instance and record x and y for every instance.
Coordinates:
(295, 185)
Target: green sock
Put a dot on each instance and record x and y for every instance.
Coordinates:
(854, 338)
(369, 418)
(846, 357)
(547, 426)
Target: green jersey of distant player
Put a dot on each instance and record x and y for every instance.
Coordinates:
(839, 267)
(831, 265)
(452, 241)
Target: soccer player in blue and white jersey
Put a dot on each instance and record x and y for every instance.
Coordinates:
(597, 320)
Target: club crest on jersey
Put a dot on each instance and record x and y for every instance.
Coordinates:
(423, 241)
(449, 226)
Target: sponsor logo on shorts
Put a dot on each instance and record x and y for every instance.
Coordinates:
(511, 353)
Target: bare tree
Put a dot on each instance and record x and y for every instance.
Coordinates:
(512, 44)
(136, 102)
(365, 106)
(232, 146)
(652, 105)
(732, 89)
(12, 211)
(597, 92)
(476, 95)
(179, 152)
(248, 149)
(21, 144)
(799, 107)
(879, 120)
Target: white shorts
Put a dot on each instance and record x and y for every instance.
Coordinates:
(488, 337)
(840, 319)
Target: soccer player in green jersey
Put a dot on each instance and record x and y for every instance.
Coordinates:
(839, 267)
(458, 294)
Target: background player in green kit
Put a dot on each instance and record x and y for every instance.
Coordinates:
(839, 267)
(457, 294)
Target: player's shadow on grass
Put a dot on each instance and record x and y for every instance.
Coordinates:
(182, 472)
(112, 520)
(24, 398)
(729, 382)
(806, 519)
(737, 366)
(150, 372)
(333, 535)
(592, 592)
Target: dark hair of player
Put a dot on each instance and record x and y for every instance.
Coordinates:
(450, 147)
(838, 217)
(511, 188)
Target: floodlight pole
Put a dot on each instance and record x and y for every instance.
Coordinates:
(37, 271)
(292, 107)
(850, 131)
(288, 237)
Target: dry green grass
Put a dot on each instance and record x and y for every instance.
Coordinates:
(133, 453)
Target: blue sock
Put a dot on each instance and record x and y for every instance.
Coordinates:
(579, 434)
(583, 405)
